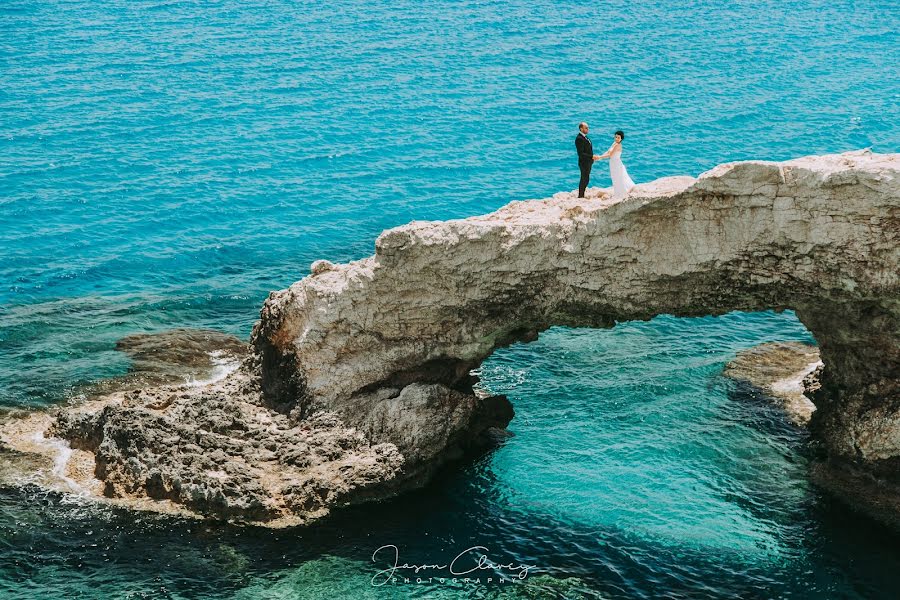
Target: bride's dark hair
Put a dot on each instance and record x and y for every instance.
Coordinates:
(620, 134)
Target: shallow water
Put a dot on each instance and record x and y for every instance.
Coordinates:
(166, 164)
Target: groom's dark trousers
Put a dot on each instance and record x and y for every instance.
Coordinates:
(585, 161)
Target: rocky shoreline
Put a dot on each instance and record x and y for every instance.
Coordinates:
(202, 448)
(358, 381)
(210, 446)
(218, 452)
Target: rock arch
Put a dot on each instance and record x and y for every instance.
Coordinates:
(388, 342)
(358, 380)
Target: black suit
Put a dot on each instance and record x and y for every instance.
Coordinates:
(585, 161)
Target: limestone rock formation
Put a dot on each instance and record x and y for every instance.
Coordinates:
(360, 383)
(818, 235)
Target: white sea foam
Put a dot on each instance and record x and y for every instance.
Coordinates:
(794, 384)
(223, 365)
(61, 452)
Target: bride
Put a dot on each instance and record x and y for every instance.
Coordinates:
(622, 183)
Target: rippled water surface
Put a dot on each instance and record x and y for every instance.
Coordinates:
(166, 164)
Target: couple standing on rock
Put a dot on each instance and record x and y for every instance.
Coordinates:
(622, 183)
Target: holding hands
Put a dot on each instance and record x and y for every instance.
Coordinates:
(609, 152)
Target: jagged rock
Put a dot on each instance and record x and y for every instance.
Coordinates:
(215, 450)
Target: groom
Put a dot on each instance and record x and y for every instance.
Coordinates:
(586, 157)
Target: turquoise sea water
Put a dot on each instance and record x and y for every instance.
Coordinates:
(166, 164)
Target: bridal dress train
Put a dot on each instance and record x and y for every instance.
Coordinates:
(622, 183)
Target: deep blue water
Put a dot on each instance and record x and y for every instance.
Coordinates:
(167, 164)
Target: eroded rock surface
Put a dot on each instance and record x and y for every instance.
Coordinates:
(215, 450)
(359, 382)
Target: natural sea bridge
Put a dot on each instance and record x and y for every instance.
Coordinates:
(358, 383)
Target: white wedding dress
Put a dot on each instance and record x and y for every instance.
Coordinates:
(622, 183)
